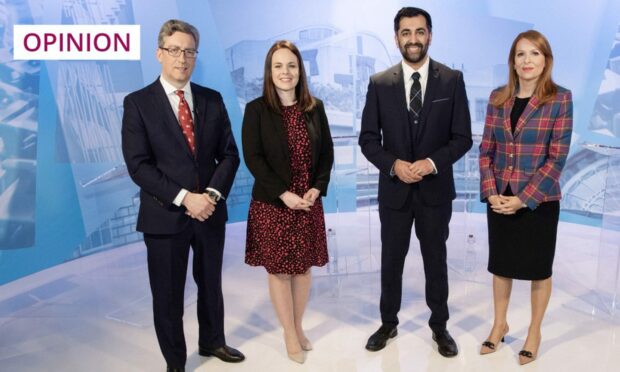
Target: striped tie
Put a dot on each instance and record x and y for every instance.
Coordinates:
(415, 96)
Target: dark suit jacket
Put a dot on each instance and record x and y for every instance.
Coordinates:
(531, 159)
(444, 134)
(265, 150)
(160, 162)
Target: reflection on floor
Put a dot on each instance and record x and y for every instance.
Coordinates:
(94, 314)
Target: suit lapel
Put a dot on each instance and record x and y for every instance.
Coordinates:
(529, 110)
(531, 107)
(431, 85)
(398, 91)
(506, 120)
(398, 84)
(200, 110)
(313, 125)
(280, 132)
(169, 119)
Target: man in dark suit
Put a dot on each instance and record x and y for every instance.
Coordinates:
(179, 149)
(415, 125)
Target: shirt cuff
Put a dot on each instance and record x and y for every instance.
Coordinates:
(392, 172)
(180, 196)
(433, 164)
(219, 194)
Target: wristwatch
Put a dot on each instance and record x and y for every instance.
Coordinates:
(214, 196)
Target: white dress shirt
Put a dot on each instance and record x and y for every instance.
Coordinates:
(407, 72)
(174, 100)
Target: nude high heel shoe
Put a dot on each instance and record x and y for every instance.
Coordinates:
(306, 345)
(526, 356)
(298, 357)
(489, 347)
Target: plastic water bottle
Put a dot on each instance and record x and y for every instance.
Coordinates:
(470, 254)
(332, 250)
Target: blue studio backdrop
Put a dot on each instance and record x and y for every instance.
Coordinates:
(64, 189)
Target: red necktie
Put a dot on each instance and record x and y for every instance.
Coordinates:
(186, 122)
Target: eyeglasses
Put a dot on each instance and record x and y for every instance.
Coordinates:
(176, 51)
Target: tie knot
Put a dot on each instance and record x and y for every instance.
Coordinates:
(415, 76)
(180, 93)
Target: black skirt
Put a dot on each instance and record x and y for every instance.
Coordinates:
(522, 245)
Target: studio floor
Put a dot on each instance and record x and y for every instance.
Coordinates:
(94, 314)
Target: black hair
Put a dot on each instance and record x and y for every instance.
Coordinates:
(410, 11)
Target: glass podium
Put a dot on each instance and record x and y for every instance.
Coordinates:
(467, 245)
(351, 219)
(604, 300)
(353, 226)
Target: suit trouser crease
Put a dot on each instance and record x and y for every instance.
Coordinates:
(431, 228)
(167, 257)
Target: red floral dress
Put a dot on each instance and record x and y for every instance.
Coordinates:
(283, 240)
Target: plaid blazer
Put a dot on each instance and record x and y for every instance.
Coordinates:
(531, 159)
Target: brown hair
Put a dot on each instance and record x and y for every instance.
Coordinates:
(545, 87)
(174, 25)
(305, 102)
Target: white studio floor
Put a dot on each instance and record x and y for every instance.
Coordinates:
(94, 314)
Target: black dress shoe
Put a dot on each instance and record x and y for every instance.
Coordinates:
(378, 339)
(445, 344)
(172, 369)
(224, 353)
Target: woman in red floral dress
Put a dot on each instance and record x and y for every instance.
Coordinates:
(288, 149)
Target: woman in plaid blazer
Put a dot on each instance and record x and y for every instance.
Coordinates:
(524, 147)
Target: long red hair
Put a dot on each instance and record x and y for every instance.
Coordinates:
(545, 88)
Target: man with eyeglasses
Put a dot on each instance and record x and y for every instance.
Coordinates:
(179, 149)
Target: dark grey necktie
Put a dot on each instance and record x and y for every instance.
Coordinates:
(415, 95)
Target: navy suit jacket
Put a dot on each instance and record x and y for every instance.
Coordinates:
(444, 132)
(160, 162)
